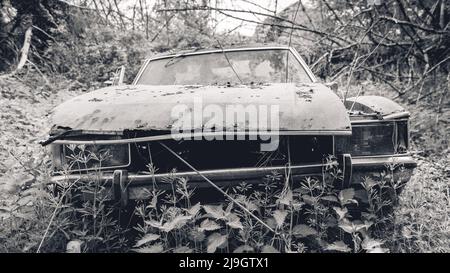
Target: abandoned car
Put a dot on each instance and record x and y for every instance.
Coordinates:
(136, 125)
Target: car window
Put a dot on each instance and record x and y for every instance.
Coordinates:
(253, 66)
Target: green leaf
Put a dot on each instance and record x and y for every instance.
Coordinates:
(146, 239)
(215, 240)
(244, 249)
(196, 235)
(178, 222)
(378, 250)
(346, 196)
(158, 248)
(194, 209)
(341, 212)
(154, 202)
(234, 221)
(369, 244)
(309, 200)
(269, 249)
(208, 225)
(362, 196)
(351, 227)
(286, 197)
(338, 246)
(368, 183)
(183, 249)
(330, 198)
(280, 217)
(74, 246)
(215, 212)
(301, 231)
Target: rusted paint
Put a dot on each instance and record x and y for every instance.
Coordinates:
(306, 107)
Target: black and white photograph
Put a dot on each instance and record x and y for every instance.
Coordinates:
(216, 133)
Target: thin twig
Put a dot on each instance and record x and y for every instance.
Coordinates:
(219, 189)
(229, 63)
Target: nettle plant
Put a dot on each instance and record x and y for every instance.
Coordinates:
(68, 216)
(311, 215)
(95, 221)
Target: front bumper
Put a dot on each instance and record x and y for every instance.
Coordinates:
(126, 186)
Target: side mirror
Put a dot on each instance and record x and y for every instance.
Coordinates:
(117, 78)
(333, 86)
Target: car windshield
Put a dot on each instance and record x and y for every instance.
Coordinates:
(241, 66)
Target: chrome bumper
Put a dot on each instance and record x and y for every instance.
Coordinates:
(125, 186)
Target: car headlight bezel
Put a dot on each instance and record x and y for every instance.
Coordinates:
(65, 157)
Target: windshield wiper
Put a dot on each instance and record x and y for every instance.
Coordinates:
(172, 60)
(228, 60)
(64, 132)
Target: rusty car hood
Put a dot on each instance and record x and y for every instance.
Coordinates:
(303, 108)
(374, 104)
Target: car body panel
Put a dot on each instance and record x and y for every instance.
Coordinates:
(307, 108)
(374, 104)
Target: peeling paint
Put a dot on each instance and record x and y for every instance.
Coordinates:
(304, 107)
(374, 104)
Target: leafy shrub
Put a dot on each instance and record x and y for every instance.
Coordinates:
(91, 60)
(68, 216)
(312, 215)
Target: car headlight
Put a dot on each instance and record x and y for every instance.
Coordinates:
(90, 156)
(375, 139)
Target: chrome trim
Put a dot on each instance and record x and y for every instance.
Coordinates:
(141, 70)
(381, 161)
(396, 116)
(381, 156)
(228, 172)
(304, 64)
(196, 134)
(358, 122)
(292, 50)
